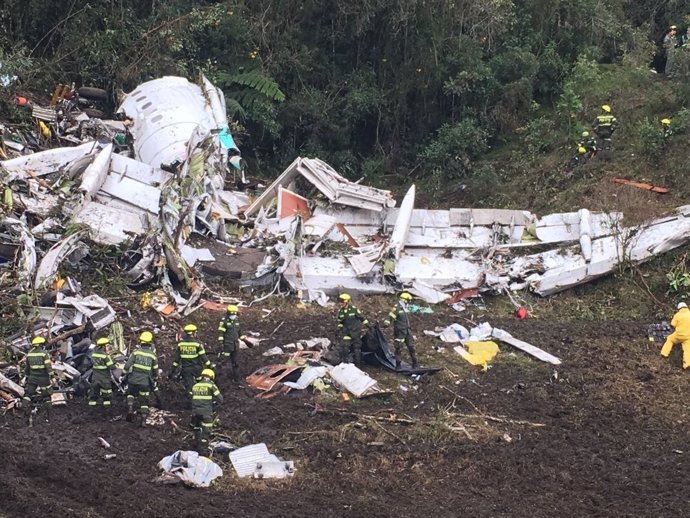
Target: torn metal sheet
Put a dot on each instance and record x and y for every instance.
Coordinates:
(49, 265)
(530, 349)
(166, 112)
(402, 224)
(191, 468)
(266, 378)
(46, 162)
(255, 460)
(10, 386)
(336, 188)
(291, 204)
(354, 380)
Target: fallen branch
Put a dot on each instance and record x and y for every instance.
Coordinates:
(503, 420)
(463, 398)
(390, 433)
(276, 329)
(67, 334)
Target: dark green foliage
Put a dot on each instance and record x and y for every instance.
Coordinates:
(374, 86)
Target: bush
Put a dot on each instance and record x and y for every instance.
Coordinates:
(650, 141)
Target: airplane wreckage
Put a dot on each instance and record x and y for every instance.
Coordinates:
(154, 182)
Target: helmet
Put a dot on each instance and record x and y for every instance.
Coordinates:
(103, 341)
(208, 373)
(344, 297)
(606, 108)
(405, 296)
(585, 133)
(673, 27)
(582, 150)
(232, 308)
(666, 122)
(681, 305)
(146, 337)
(190, 328)
(38, 340)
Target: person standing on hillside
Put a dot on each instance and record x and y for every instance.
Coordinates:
(670, 43)
(350, 322)
(604, 126)
(205, 397)
(229, 336)
(402, 334)
(190, 358)
(141, 371)
(101, 381)
(37, 369)
(681, 335)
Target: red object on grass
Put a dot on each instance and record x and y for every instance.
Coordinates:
(21, 101)
(521, 313)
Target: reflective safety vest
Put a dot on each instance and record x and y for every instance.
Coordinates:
(351, 319)
(38, 362)
(605, 120)
(203, 394)
(190, 352)
(101, 361)
(229, 329)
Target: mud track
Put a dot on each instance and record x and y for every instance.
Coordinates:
(614, 440)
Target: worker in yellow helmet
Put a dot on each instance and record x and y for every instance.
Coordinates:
(681, 335)
(604, 126)
(402, 333)
(205, 397)
(190, 358)
(229, 336)
(666, 130)
(37, 369)
(101, 380)
(350, 322)
(141, 372)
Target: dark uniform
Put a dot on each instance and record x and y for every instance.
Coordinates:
(402, 333)
(142, 378)
(190, 357)
(589, 143)
(350, 322)
(229, 335)
(205, 396)
(38, 387)
(604, 125)
(101, 381)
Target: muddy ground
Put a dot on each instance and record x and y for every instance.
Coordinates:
(604, 434)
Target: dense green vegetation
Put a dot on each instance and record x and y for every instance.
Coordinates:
(464, 96)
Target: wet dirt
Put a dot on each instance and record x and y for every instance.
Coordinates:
(603, 434)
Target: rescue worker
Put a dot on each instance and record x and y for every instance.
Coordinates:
(604, 126)
(350, 322)
(205, 397)
(37, 370)
(190, 358)
(229, 335)
(141, 371)
(402, 334)
(681, 335)
(101, 381)
(589, 142)
(670, 44)
(666, 131)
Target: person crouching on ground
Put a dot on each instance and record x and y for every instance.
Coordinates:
(681, 335)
